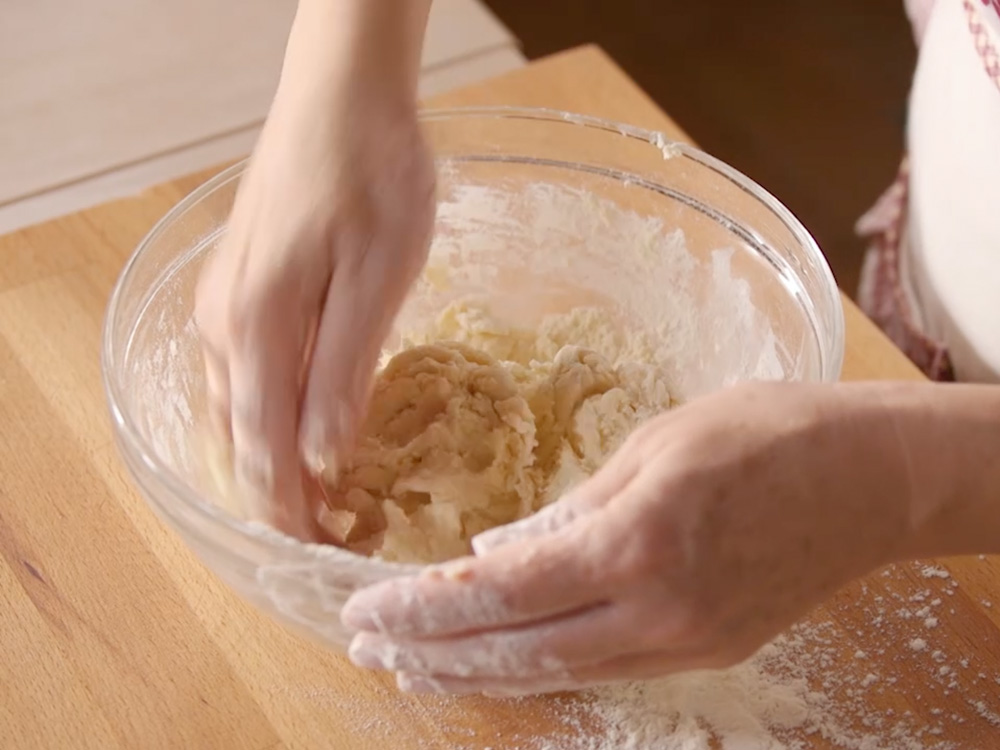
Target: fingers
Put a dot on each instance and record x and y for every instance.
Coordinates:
(558, 565)
(587, 496)
(253, 313)
(366, 292)
(563, 605)
(264, 321)
(516, 584)
(553, 646)
(264, 395)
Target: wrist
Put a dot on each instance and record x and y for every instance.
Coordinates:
(356, 51)
(943, 442)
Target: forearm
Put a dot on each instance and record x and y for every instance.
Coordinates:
(355, 47)
(948, 460)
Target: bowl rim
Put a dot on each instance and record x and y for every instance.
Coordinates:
(127, 430)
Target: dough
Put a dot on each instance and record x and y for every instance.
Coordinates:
(446, 452)
(474, 424)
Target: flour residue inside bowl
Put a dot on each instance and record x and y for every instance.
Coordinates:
(543, 248)
(531, 250)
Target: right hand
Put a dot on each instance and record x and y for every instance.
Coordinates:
(330, 227)
(714, 528)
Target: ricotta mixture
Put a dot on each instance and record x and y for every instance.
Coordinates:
(474, 424)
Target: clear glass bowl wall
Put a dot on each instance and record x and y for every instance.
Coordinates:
(538, 211)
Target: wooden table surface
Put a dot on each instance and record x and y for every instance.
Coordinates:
(115, 636)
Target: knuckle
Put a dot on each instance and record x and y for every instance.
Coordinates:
(255, 310)
(640, 559)
(686, 627)
(250, 298)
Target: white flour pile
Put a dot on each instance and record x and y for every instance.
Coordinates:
(745, 708)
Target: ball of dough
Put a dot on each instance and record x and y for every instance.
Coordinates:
(445, 453)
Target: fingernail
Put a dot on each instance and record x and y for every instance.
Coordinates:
(323, 441)
(413, 683)
(484, 542)
(370, 655)
(322, 464)
(462, 570)
(314, 448)
(360, 611)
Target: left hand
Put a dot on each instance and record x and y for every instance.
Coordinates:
(714, 528)
(331, 224)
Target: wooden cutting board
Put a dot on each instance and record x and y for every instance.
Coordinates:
(114, 636)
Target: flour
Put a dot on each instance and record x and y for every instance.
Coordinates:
(668, 149)
(541, 247)
(475, 423)
(931, 571)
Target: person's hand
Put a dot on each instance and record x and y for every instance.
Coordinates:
(714, 528)
(330, 226)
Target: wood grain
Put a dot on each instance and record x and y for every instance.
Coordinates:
(114, 636)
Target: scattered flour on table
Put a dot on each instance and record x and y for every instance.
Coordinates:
(771, 702)
(822, 685)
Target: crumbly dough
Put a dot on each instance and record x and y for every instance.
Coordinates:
(474, 424)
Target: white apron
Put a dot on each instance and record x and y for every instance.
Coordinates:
(932, 275)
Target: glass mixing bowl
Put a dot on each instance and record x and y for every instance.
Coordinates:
(539, 211)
